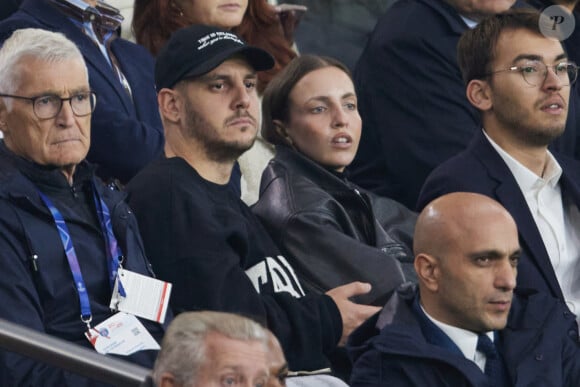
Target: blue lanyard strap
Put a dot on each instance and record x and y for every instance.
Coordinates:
(71, 256)
(114, 253)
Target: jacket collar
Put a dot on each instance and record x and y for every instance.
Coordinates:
(309, 169)
(19, 178)
(570, 180)
(396, 330)
(448, 13)
(510, 196)
(401, 334)
(103, 17)
(453, 18)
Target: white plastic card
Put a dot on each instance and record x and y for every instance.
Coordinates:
(145, 297)
(121, 334)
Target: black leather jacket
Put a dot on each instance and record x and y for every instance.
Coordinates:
(333, 231)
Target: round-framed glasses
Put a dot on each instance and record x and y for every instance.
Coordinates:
(49, 105)
(535, 72)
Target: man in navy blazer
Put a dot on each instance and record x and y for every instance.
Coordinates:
(465, 325)
(412, 98)
(126, 127)
(522, 93)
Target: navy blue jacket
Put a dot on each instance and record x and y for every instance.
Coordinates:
(412, 100)
(45, 298)
(125, 133)
(391, 348)
(481, 169)
(8, 7)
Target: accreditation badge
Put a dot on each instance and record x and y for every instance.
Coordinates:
(142, 296)
(121, 334)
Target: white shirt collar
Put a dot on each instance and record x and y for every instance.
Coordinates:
(470, 22)
(465, 340)
(77, 3)
(526, 179)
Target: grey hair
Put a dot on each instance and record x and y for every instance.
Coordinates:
(184, 344)
(47, 46)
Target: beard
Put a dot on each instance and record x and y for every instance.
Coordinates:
(523, 127)
(217, 148)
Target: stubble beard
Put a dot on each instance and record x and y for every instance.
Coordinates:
(217, 149)
(524, 129)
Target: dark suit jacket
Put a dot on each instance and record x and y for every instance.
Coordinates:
(481, 169)
(8, 7)
(342, 27)
(125, 133)
(393, 348)
(412, 100)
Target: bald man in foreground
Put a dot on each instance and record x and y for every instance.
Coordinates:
(465, 324)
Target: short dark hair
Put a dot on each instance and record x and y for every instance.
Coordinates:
(477, 47)
(275, 102)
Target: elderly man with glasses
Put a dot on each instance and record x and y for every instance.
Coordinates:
(127, 132)
(69, 245)
(519, 79)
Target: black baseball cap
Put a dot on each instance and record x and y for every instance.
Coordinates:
(198, 49)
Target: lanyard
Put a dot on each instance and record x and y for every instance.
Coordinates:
(113, 251)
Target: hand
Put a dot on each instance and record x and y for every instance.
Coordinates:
(352, 314)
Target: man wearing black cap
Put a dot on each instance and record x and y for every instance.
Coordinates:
(198, 234)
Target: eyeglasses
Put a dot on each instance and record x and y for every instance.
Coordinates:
(535, 73)
(50, 105)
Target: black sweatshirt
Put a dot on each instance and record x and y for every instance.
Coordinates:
(202, 238)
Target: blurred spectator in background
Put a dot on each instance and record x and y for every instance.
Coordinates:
(337, 28)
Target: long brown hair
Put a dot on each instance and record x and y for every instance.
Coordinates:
(155, 20)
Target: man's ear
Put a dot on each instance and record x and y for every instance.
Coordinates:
(170, 104)
(167, 380)
(479, 94)
(282, 131)
(3, 116)
(427, 268)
